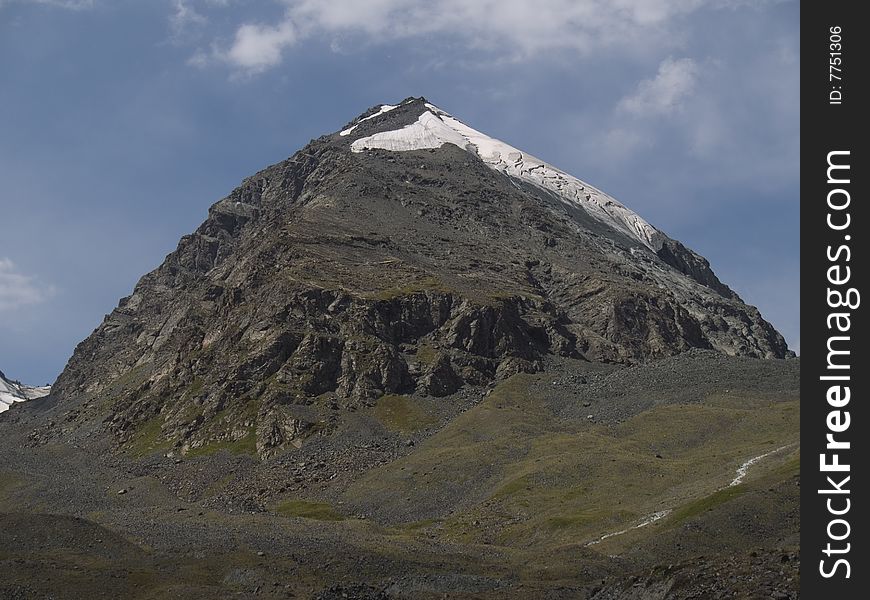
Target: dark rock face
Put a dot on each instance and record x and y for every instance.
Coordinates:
(695, 266)
(338, 277)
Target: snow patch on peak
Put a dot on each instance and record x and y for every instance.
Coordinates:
(435, 127)
(12, 392)
(385, 108)
(428, 131)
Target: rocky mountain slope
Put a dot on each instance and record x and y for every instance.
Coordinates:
(411, 362)
(407, 253)
(15, 391)
(543, 486)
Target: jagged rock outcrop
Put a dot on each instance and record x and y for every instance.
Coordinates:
(351, 271)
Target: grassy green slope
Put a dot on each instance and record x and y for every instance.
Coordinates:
(509, 472)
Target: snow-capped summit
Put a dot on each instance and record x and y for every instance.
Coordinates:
(435, 127)
(14, 391)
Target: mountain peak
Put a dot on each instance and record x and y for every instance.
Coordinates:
(435, 127)
(420, 125)
(407, 253)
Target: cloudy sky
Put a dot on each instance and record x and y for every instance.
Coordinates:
(121, 121)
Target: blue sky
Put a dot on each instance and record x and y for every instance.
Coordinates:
(121, 121)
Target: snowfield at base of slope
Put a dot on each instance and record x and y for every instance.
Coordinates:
(434, 128)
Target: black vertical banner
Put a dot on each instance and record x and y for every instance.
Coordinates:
(834, 262)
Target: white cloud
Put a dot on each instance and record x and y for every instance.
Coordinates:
(17, 289)
(730, 118)
(259, 47)
(666, 92)
(508, 29)
(183, 18)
